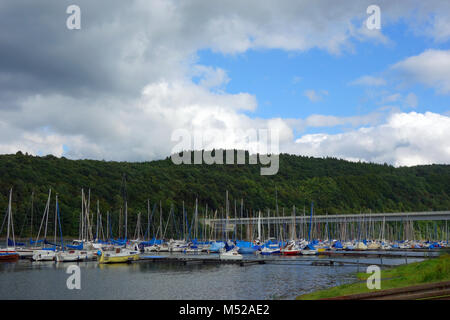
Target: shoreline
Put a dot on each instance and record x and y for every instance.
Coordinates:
(418, 273)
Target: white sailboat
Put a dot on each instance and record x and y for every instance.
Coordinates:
(307, 252)
(44, 254)
(270, 249)
(152, 248)
(72, 256)
(232, 254)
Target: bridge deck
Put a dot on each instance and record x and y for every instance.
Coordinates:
(346, 218)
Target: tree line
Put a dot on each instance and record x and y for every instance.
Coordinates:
(336, 187)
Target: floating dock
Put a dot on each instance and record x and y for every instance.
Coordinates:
(197, 260)
(281, 260)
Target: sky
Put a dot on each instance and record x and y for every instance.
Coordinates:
(137, 71)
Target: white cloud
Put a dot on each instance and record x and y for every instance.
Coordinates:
(431, 68)
(435, 26)
(312, 95)
(296, 79)
(411, 100)
(369, 81)
(315, 96)
(317, 120)
(392, 98)
(365, 34)
(134, 129)
(405, 139)
(143, 130)
(440, 30)
(210, 77)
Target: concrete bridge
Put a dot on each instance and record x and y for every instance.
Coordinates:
(339, 218)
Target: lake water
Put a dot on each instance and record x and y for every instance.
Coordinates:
(159, 280)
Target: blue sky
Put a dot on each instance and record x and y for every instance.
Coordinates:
(279, 78)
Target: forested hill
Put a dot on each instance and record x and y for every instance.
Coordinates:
(335, 186)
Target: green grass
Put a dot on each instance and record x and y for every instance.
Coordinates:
(428, 271)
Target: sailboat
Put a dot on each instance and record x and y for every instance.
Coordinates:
(290, 249)
(360, 245)
(270, 248)
(309, 249)
(70, 255)
(9, 254)
(27, 251)
(44, 254)
(118, 255)
(230, 252)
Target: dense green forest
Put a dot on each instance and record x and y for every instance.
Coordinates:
(335, 186)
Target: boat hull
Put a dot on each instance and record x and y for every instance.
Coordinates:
(192, 251)
(308, 252)
(290, 252)
(122, 259)
(266, 252)
(26, 253)
(43, 255)
(224, 256)
(118, 257)
(9, 256)
(153, 248)
(71, 257)
(247, 250)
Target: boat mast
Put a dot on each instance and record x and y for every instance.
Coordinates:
(277, 214)
(81, 226)
(242, 215)
(226, 213)
(32, 205)
(46, 218)
(59, 222)
(204, 223)
(235, 217)
(9, 219)
(98, 213)
(148, 219)
(89, 218)
(160, 218)
(56, 218)
(126, 220)
(43, 217)
(259, 225)
(107, 225)
(120, 223)
(310, 222)
(294, 232)
(184, 223)
(196, 219)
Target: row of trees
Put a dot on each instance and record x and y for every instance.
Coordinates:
(336, 186)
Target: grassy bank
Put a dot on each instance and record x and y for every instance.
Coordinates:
(428, 271)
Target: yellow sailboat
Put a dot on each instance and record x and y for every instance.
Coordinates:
(119, 255)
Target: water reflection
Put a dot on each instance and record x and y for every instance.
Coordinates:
(285, 279)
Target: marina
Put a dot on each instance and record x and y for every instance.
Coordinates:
(175, 276)
(258, 259)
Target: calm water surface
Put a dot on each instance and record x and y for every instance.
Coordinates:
(150, 280)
